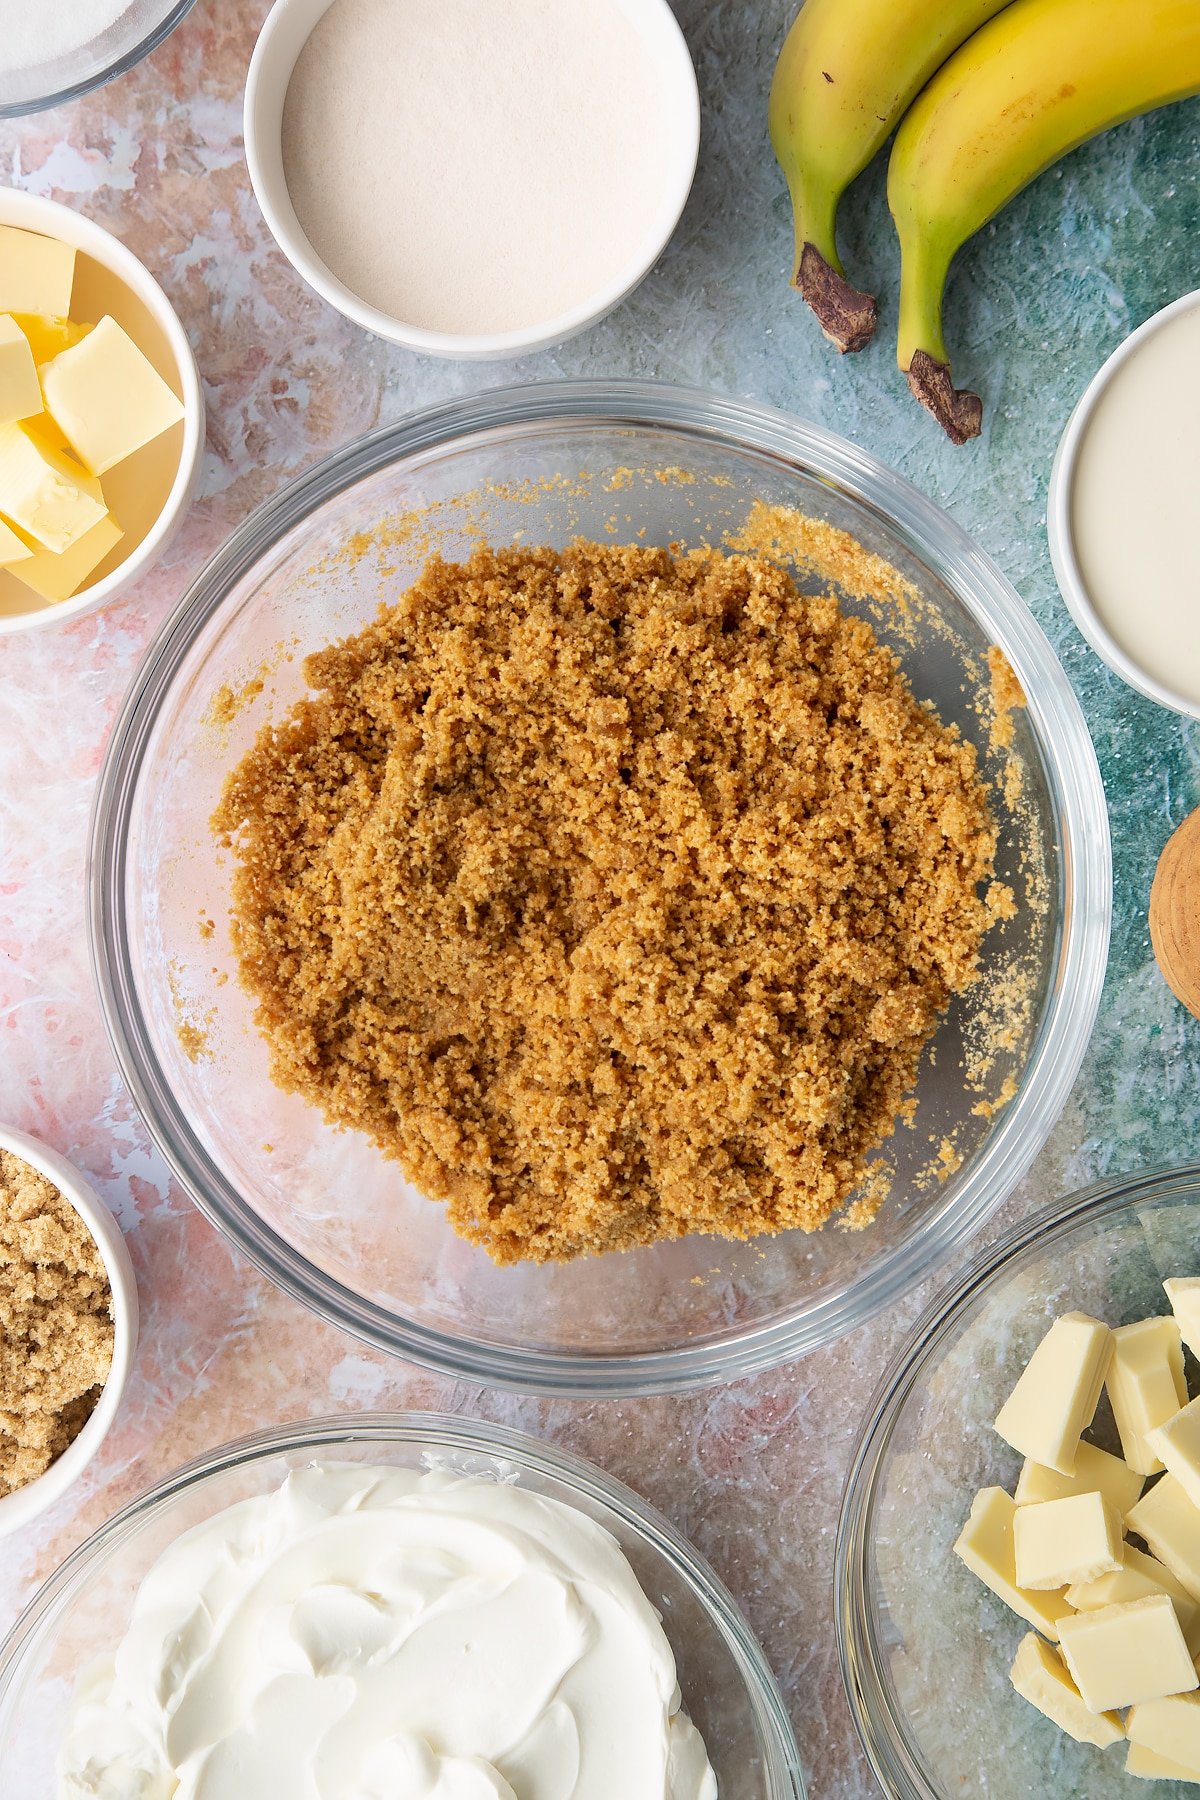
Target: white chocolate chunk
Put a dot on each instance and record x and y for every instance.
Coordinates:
(1055, 1399)
(1184, 1294)
(1063, 1541)
(37, 273)
(986, 1546)
(1153, 1767)
(1170, 1727)
(1125, 1655)
(1170, 1524)
(107, 398)
(1095, 1472)
(1039, 1677)
(1146, 1385)
(1177, 1444)
(1139, 1577)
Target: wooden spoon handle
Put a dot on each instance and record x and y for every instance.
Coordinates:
(1175, 913)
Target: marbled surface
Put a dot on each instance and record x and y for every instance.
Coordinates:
(752, 1473)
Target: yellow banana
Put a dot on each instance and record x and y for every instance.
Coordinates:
(847, 72)
(1040, 78)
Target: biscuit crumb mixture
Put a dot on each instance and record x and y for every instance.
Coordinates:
(612, 892)
(56, 1323)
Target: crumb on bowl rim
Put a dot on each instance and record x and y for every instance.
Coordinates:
(30, 212)
(27, 1503)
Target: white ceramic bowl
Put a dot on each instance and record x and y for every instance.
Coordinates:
(1060, 528)
(149, 492)
(288, 27)
(23, 1506)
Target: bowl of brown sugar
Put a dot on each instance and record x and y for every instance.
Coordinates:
(599, 888)
(68, 1326)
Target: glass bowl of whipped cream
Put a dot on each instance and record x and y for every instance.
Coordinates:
(381, 1606)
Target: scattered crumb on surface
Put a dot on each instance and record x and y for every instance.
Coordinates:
(56, 1323)
(615, 894)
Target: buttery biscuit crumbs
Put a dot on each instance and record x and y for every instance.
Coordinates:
(56, 1323)
(613, 893)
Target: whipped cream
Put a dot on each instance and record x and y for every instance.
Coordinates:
(385, 1634)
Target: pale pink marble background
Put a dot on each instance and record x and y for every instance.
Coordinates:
(752, 1473)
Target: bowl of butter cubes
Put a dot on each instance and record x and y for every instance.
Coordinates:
(101, 415)
(1018, 1559)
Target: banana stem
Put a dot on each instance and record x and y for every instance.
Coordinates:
(924, 267)
(845, 314)
(921, 347)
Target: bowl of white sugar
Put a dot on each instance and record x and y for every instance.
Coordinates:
(54, 50)
(475, 179)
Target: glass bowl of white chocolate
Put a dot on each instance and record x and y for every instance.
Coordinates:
(1056, 1651)
(404, 1604)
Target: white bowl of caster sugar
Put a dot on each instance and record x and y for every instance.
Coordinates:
(1124, 514)
(473, 178)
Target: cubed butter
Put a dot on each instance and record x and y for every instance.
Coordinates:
(20, 394)
(1055, 1399)
(1145, 1385)
(1123, 1655)
(986, 1546)
(43, 491)
(1039, 1677)
(1177, 1445)
(107, 398)
(36, 273)
(1170, 1524)
(1170, 1727)
(58, 576)
(1150, 1766)
(1095, 1472)
(1061, 1541)
(1184, 1294)
(1139, 1577)
(13, 549)
(47, 337)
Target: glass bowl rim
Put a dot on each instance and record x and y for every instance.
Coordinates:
(176, 13)
(1077, 794)
(880, 1728)
(473, 1436)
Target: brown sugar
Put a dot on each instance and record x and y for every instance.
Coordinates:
(612, 892)
(56, 1323)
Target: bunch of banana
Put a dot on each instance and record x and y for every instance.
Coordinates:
(986, 104)
(847, 73)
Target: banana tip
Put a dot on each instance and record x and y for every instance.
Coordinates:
(846, 316)
(958, 411)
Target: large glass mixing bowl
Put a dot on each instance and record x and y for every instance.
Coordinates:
(82, 1611)
(322, 1212)
(926, 1649)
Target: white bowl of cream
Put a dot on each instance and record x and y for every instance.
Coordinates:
(1122, 511)
(475, 178)
(380, 1633)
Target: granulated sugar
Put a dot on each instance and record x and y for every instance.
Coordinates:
(33, 32)
(476, 166)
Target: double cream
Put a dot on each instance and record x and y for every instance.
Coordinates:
(383, 1634)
